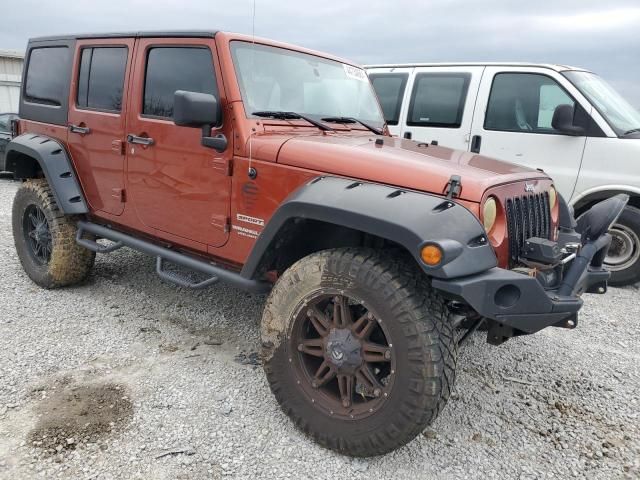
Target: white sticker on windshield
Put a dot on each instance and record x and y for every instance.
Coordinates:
(354, 72)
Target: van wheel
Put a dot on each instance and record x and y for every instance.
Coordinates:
(358, 349)
(623, 258)
(45, 238)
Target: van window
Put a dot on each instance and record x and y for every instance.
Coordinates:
(390, 90)
(101, 78)
(166, 67)
(47, 75)
(524, 102)
(438, 99)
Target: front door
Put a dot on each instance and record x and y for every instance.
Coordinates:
(440, 106)
(513, 123)
(177, 185)
(96, 122)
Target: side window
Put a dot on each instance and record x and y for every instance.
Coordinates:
(101, 78)
(524, 102)
(176, 68)
(390, 90)
(47, 75)
(438, 99)
(4, 123)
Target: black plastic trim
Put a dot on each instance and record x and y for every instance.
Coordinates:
(410, 220)
(56, 166)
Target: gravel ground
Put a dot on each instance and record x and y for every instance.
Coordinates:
(162, 383)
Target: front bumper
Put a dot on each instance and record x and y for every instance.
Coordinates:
(517, 304)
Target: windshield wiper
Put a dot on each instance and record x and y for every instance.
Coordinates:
(352, 120)
(629, 132)
(291, 116)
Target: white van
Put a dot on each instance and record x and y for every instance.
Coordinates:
(563, 120)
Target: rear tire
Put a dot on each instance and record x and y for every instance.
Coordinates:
(45, 238)
(623, 259)
(408, 349)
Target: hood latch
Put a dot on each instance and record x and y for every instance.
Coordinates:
(454, 186)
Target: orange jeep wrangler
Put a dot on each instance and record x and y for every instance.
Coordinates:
(270, 167)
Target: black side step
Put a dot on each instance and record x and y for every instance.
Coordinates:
(162, 254)
(178, 279)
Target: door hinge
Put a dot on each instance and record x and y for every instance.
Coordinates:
(454, 186)
(120, 194)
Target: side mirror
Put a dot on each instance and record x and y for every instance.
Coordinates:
(199, 110)
(563, 121)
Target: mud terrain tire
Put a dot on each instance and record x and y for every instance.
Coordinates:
(418, 331)
(45, 238)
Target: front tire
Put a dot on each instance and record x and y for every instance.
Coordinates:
(623, 258)
(358, 349)
(45, 238)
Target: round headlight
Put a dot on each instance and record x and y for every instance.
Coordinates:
(553, 197)
(489, 213)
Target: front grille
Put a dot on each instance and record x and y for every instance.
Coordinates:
(527, 216)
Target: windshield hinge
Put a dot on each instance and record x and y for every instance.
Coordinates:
(454, 186)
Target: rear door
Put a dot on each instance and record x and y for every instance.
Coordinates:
(440, 104)
(177, 185)
(513, 122)
(390, 85)
(97, 122)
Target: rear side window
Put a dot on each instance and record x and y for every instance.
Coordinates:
(438, 99)
(47, 76)
(101, 78)
(176, 68)
(390, 90)
(524, 102)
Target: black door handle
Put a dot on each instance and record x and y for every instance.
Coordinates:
(139, 140)
(476, 141)
(407, 135)
(79, 129)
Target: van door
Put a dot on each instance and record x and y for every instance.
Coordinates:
(513, 122)
(176, 184)
(390, 85)
(440, 105)
(97, 122)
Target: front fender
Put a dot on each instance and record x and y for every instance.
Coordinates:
(54, 162)
(408, 218)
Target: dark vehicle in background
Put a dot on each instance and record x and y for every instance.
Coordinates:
(5, 135)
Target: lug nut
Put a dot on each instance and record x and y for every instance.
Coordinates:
(346, 403)
(387, 354)
(314, 384)
(300, 347)
(376, 392)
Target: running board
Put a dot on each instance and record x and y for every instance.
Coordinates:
(165, 254)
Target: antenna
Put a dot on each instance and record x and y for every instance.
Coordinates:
(251, 172)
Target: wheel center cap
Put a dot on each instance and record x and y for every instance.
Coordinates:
(343, 349)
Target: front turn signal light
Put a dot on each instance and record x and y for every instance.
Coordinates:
(489, 214)
(431, 255)
(553, 197)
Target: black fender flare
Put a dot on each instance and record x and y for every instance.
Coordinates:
(56, 165)
(410, 219)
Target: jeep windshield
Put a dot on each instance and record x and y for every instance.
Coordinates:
(619, 114)
(275, 79)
